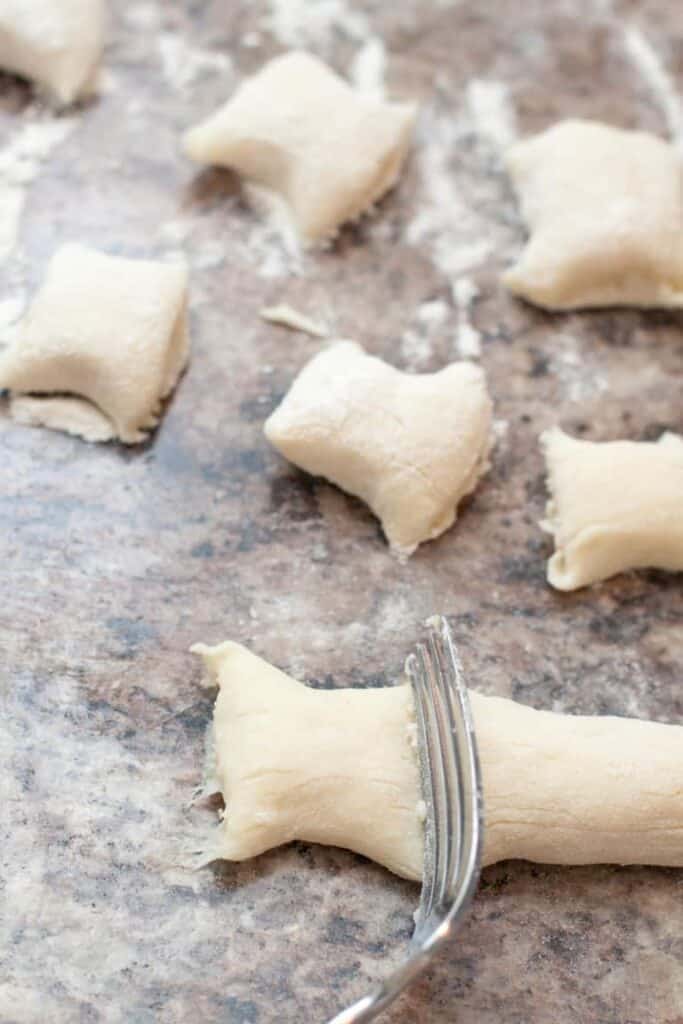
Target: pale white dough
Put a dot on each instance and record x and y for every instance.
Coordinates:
(56, 43)
(340, 767)
(299, 130)
(410, 445)
(605, 211)
(109, 330)
(613, 506)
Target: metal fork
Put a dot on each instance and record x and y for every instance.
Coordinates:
(451, 783)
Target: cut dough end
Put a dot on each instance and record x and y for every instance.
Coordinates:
(410, 445)
(108, 331)
(613, 506)
(605, 211)
(300, 131)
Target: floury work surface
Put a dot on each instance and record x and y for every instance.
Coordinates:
(115, 561)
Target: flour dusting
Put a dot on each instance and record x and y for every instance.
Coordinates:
(467, 337)
(492, 111)
(653, 72)
(417, 341)
(20, 164)
(301, 23)
(578, 379)
(369, 68)
(183, 64)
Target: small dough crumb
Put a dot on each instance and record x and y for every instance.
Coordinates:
(614, 506)
(108, 330)
(285, 316)
(57, 43)
(300, 131)
(410, 445)
(605, 211)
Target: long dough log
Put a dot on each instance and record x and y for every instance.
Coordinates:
(340, 767)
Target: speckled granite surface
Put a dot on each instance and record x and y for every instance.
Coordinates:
(114, 561)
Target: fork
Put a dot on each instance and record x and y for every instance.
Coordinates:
(452, 791)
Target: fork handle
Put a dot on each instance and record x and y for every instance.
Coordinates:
(563, 789)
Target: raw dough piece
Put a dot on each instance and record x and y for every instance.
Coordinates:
(613, 506)
(57, 43)
(107, 329)
(410, 445)
(339, 767)
(300, 131)
(605, 211)
(285, 316)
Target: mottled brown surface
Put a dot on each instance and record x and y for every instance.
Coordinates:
(114, 561)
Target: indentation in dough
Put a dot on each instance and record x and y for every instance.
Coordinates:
(299, 130)
(56, 43)
(614, 506)
(109, 330)
(605, 211)
(410, 445)
(340, 767)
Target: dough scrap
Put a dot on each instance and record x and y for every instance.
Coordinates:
(340, 767)
(605, 211)
(410, 445)
(109, 330)
(57, 43)
(614, 506)
(284, 316)
(299, 130)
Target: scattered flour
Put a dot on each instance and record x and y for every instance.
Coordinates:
(369, 67)
(143, 16)
(578, 379)
(20, 164)
(183, 64)
(467, 338)
(653, 72)
(302, 23)
(492, 111)
(417, 341)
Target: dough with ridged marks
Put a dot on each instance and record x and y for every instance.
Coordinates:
(56, 43)
(614, 505)
(108, 330)
(340, 767)
(410, 445)
(301, 132)
(605, 210)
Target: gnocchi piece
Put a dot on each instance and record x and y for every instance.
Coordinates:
(109, 330)
(301, 132)
(613, 506)
(410, 445)
(605, 211)
(340, 767)
(56, 43)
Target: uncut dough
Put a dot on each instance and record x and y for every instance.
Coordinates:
(605, 211)
(109, 330)
(57, 43)
(300, 131)
(410, 445)
(614, 506)
(340, 767)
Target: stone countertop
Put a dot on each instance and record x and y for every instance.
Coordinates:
(115, 560)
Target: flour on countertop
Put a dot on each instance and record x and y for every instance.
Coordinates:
(183, 64)
(653, 72)
(369, 67)
(299, 23)
(20, 165)
(578, 379)
(467, 337)
(492, 111)
(417, 341)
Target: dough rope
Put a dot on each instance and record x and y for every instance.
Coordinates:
(340, 767)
